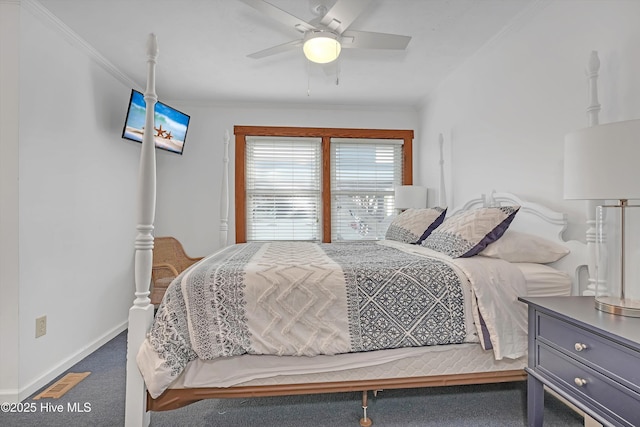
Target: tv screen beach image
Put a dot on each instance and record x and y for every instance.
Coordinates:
(170, 128)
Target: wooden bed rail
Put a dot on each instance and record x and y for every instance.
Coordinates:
(177, 398)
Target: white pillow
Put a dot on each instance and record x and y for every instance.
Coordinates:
(515, 246)
(545, 281)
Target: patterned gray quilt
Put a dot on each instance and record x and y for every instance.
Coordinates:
(302, 298)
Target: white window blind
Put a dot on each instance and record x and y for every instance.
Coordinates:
(283, 188)
(363, 175)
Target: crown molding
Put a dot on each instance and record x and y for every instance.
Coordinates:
(49, 19)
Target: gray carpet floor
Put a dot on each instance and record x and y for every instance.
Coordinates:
(101, 398)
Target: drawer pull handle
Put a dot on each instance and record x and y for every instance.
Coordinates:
(580, 382)
(579, 346)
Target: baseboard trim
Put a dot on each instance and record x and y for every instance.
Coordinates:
(66, 364)
(9, 395)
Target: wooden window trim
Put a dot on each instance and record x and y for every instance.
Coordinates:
(241, 133)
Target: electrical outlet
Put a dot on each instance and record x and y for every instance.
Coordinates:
(41, 326)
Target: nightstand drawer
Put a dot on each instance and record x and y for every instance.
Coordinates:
(618, 401)
(622, 362)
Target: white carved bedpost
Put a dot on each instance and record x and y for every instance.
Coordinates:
(141, 313)
(592, 113)
(224, 196)
(442, 194)
(592, 71)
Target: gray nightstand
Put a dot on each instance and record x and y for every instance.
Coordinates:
(589, 357)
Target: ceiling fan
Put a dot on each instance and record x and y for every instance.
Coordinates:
(324, 37)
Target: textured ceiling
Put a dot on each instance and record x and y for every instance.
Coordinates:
(204, 46)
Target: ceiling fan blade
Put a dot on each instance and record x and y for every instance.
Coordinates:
(276, 49)
(368, 40)
(343, 13)
(279, 15)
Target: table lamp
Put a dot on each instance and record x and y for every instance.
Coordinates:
(410, 196)
(602, 162)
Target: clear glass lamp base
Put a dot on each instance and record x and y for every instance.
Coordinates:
(620, 306)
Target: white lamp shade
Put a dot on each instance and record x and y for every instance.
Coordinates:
(602, 162)
(410, 196)
(321, 47)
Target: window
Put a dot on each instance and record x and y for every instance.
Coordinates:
(316, 183)
(282, 188)
(363, 175)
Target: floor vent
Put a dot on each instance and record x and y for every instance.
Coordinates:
(63, 385)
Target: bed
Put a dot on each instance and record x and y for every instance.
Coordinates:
(371, 328)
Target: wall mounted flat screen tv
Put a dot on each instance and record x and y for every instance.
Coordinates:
(169, 130)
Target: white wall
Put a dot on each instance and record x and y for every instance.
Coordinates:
(75, 198)
(189, 185)
(505, 112)
(9, 134)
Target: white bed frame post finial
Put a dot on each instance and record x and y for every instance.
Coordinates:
(442, 193)
(224, 195)
(592, 72)
(141, 313)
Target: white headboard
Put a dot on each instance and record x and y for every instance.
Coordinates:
(534, 218)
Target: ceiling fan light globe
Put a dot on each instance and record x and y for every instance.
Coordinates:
(322, 48)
